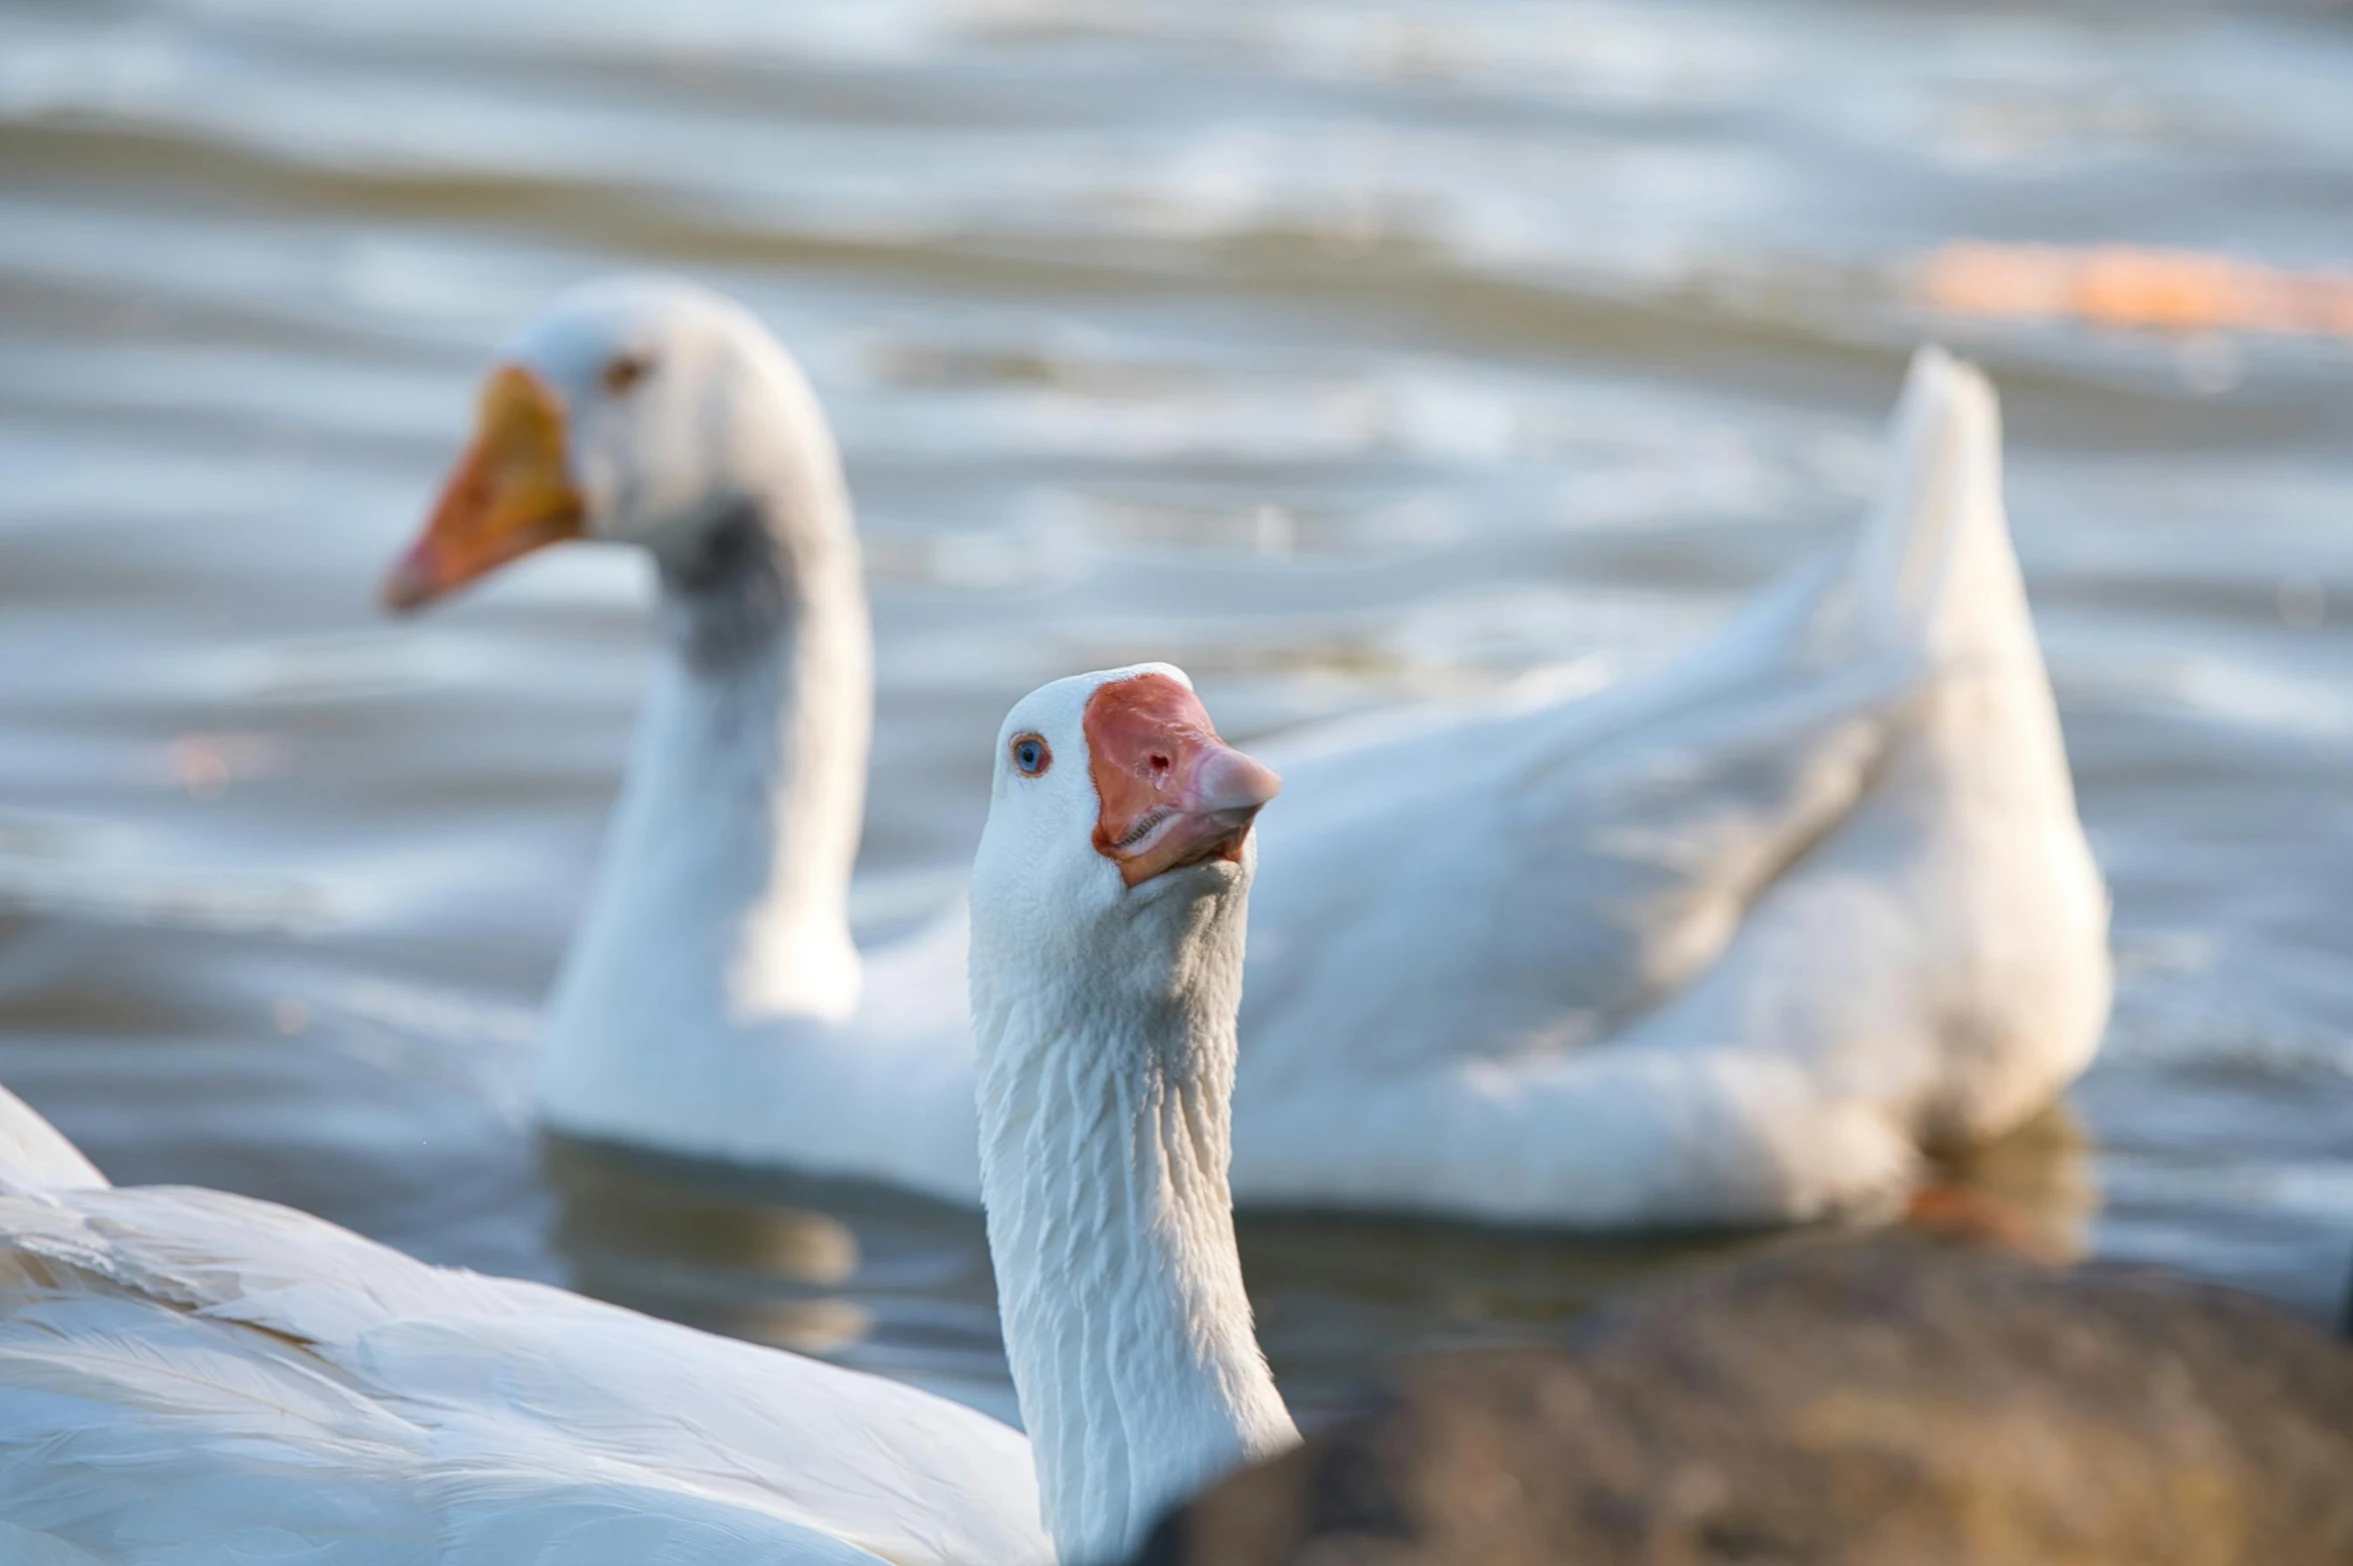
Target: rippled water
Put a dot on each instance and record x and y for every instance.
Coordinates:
(1343, 353)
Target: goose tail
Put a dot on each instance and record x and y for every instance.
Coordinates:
(1933, 572)
(35, 1156)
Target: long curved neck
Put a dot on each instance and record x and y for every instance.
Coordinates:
(722, 899)
(1104, 1146)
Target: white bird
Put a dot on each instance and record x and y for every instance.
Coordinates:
(1109, 895)
(195, 1377)
(1734, 942)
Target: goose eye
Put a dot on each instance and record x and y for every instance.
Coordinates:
(625, 371)
(1032, 755)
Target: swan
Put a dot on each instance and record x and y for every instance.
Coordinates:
(192, 1375)
(1737, 942)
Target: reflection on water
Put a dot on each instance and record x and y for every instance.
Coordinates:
(1338, 1298)
(895, 1283)
(1346, 353)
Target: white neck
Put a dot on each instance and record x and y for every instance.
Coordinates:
(722, 898)
(1105, 1090)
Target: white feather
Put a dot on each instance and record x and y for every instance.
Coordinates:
(1106, 1022)
(1730, 943)
(33, 1155)
(190, 1371)
(193, 1375)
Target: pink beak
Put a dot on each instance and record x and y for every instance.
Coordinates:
(1172, 793)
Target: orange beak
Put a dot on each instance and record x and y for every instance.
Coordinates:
(508, 495)
(1171, 792)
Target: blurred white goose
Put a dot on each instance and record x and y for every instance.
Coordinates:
(1730, 943)
(194, 1377)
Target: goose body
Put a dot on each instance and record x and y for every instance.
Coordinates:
(1729, 943)
(192, 1376)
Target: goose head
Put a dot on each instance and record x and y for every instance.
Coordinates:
(1115, 808)
(640, 411)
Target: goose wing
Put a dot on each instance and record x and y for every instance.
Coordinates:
(1574, 862)
(1568, 867)
(189, 1370)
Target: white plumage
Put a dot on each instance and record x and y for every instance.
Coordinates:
(1732, 942)
(193, 1377)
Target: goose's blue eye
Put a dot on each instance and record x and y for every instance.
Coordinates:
(1031, 755)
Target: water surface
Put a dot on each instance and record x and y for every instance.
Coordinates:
(1346, 354)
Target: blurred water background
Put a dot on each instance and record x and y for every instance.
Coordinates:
(1345, 353)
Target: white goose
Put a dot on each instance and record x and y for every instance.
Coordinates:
(1730, 943)
(193, 1377)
